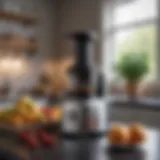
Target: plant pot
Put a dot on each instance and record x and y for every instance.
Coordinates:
(131, 89)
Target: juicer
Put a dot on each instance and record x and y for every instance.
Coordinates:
(85, 108)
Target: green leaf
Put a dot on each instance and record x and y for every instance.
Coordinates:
(133, 66)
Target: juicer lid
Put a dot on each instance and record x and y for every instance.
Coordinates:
(82, 35)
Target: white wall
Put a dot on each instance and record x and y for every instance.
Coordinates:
(77, 15)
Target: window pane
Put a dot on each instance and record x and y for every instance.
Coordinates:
(136, 10)
(140, 40)
(108, 57)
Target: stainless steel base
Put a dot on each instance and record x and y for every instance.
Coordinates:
(83, 135)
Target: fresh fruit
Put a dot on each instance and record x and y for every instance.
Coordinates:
(137, 134)
(28, 110)
(52, 114)
(40, 117)
(45, 139)
(7, 114)
(25, 106)
(45, 111)
(118, 135)
(56, 114)
(17, 120)
(29, 139)
(25, 112)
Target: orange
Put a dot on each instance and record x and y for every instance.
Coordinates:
(137, 134)
(118, 135)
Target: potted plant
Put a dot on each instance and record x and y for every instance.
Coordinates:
(132, 67)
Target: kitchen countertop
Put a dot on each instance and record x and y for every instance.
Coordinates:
(139, 103)
(120, 101)
(96, 149)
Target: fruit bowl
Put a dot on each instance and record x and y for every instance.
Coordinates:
(126, 138)
(25, 115)
(50, 119)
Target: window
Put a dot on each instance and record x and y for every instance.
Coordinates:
(131, 25)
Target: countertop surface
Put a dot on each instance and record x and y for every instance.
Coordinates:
(97, 149)
(138, 103)
(114, 101)
(92, 149)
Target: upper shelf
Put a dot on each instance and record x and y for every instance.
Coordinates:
(18, 17)
(18, 44)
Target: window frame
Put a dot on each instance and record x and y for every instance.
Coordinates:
(110, 31)
(158, 43)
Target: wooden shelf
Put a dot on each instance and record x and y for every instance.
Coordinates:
(18, 44)
(18, 17)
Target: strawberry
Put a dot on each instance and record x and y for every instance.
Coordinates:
(45, 139)
(28, 139)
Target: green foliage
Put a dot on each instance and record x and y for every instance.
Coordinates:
(133, 66)
(141, 40)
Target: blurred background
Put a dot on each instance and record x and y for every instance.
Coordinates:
(33, 38)
(132, 26)
(36, 55)
(27, 38)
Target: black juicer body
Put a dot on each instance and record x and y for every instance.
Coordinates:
(85, 110)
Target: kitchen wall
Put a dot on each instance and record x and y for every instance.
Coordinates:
(77, 15)
(44, 11)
